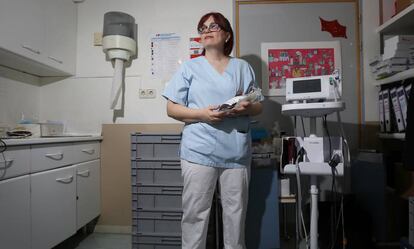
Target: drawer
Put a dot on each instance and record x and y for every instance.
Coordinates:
(156, 138)
(167, 150)
(140, 246)
(156, 164)
(45, 157)
(156, 176)
(156, 201)
(86, 151)
(16, 162)
(156, 226)
(157, 190)
(141, 213)
(156, 239)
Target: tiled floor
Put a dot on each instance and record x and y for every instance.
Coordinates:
(106, 241)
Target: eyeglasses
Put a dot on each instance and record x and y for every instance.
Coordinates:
(213, 27)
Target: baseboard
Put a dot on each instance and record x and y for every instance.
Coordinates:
(112, 229)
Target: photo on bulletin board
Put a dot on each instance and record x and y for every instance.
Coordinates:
(284, 60)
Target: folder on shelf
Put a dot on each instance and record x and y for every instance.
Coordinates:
(398, 118)
(387, 113)
(402, 99)
(381, 112)
(407, 91)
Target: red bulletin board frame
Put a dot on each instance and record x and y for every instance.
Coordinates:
(296, 59)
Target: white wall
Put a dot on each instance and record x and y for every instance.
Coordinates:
(19, 93)
(370, 49)
(83, 101)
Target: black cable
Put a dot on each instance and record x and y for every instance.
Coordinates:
(303, 127)
(3, 146)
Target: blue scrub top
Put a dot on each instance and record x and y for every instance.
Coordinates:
(197, 84)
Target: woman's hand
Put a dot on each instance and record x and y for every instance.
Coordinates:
(240, 109)
(246, 108)
(211, 115)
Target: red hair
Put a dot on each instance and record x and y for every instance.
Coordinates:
(224, 25)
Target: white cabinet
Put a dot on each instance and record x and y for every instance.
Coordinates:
(61, 34)
(22, 27)
(38, 36)
(53, 206)
(15, 213)
(16, 162)
(44, 157)
(88, 191)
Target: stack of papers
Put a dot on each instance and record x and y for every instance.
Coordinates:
(398, 56)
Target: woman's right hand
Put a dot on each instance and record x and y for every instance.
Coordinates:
(211, 115)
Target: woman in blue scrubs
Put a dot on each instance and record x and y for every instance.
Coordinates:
(216, 145)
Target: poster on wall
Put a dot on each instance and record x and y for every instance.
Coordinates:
(165, 57)
(284, 60)
(196, 48)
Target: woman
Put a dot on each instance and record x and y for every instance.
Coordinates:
(215, 144)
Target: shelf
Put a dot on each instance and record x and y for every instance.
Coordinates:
(396, 77)
(400, 24)
(399, 136)
(318, 109)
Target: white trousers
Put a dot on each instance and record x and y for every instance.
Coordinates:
(199, 184)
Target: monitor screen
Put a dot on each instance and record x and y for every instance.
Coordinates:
(306, 86)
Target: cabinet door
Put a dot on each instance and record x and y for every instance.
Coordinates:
(61, 26)
(15, 213)
(88, 191)
(22, 27)
(53, 203)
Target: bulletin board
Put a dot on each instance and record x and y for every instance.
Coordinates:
(284, 60)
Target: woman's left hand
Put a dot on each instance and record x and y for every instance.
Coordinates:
(241, 109)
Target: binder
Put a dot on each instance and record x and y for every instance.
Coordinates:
(402, 99)
(397, 110)
(387, 113)
(407, 91)
(381, 111)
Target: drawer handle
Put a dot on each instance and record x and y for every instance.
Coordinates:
(171, 215)
(170, 165)
(85, 173)
(170, 189)
(89, 151)
(7, 164)
(54, 59)
(65, 180)
(33, 50)
(170, 138)
(55, 156)
(171, 240)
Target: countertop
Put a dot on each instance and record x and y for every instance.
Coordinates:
(48, 140)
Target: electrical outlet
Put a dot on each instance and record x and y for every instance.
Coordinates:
(97, 39)
(147, 93)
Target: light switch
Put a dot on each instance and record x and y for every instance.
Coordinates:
(97, 39)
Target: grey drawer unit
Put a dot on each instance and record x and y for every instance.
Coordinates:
(157, 172)
(156, 191)
(156, 201)
(155, 146)
(156, 241)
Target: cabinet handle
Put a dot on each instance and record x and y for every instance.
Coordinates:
(171, 189)
(65, 180)
(33, 50)
(85, 173)
(171, 240)
(89, 151)
(54, 59)
(7, 164)
(55, 156)
(171, 215)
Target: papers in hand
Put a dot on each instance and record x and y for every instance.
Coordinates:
(255, 95)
